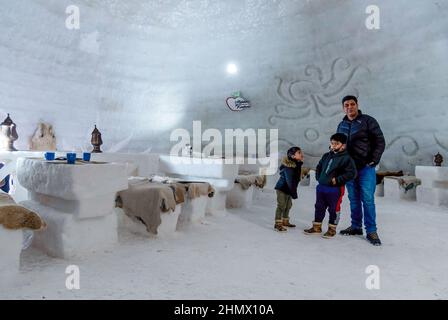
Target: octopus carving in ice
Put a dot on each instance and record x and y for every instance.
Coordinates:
(316, 93)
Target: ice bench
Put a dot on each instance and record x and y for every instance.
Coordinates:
(434, 185)
(242, 193)
(14, 220)
(401, 188)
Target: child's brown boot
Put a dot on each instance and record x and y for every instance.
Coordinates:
(287, 224)
(279, 226)
(315, 229)
(331, 231)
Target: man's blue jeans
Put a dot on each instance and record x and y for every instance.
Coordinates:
(361, 193)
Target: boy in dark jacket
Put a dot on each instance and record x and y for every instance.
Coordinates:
(286, 187)
(334, 170)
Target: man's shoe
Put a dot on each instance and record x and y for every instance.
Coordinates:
(373, 238)
(350, 231)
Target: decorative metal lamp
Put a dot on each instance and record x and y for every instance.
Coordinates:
(8, 134)
(438, 159)
(96, 140)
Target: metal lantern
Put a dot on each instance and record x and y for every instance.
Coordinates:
(438, 159)
(9, 134)
(96, 140)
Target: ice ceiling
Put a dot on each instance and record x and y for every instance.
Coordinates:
(140, 68)
(185, 13)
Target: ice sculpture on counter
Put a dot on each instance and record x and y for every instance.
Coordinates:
(43, 138)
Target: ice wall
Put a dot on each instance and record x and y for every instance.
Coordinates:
(138, 69)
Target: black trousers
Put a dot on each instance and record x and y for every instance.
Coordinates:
(328, 198)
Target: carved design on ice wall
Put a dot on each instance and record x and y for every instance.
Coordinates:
(310, 109)
(410, 152)
(440, 144)
(314, 95)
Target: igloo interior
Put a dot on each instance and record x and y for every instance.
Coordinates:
(140, 69)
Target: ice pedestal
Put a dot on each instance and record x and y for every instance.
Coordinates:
(240, 198)
(216, 206)
(379, 191)
(434, 185)
(400, 188)
(76, 201)
(10, 249)
(193, 210)
(167, 227)
(67, 236)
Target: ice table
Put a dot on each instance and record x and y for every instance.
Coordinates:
(76, 201)
(434, 185)
(217, 172)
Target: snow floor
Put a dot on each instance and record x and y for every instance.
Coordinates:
(239, 256)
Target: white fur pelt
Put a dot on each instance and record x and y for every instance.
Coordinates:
(43, 138)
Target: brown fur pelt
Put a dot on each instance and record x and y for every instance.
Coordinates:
(43, 138)
(16, 217)
(381, 175)
(179, 191)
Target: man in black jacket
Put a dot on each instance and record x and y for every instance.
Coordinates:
(365, 144)
(334, 170)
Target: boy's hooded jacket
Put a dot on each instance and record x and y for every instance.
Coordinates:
(290, 171)
(335, 165)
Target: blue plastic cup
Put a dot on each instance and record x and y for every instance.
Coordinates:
(49, 156)
(86, 156)
(71, 158)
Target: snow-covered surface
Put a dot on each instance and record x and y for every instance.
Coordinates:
(239, 256)
(138, 164)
